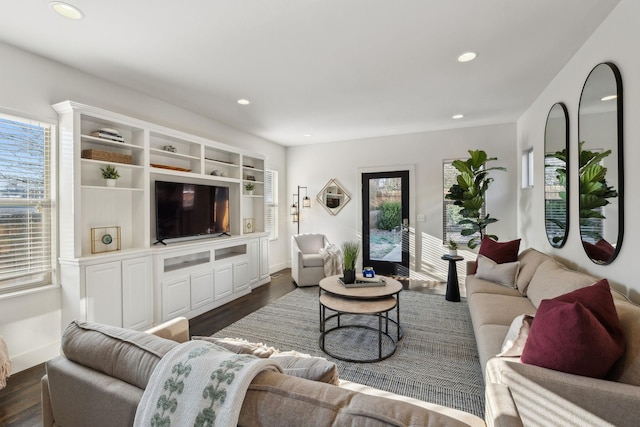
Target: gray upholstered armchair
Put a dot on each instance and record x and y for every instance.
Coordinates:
(307, 265)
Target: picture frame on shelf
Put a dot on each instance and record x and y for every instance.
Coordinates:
(248, 225)
(105, 239)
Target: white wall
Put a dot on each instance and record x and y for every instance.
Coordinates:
(614, 41)
(314, 165)
(29, 85)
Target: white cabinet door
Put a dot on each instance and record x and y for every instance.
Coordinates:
(254, 260)
(201, 289)
(104, 293)
(240, 276)
(176, 297)
(264, 257)
(223, 281)
(137, 293)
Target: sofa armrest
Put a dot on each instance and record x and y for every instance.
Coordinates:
(175, 329)
(544, 396)
(45, 401)
(472, 266)
(500, 409)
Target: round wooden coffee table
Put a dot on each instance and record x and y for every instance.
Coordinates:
(371, 300)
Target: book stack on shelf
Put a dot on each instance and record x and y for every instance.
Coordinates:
(109, 134)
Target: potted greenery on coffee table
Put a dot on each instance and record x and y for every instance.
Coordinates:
(350, 251)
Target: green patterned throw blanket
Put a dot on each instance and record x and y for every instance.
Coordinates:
(198, 384)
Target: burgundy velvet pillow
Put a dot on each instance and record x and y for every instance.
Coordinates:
(601, 251)
(500, 252)
(578, 333)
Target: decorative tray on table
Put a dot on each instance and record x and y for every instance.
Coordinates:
(364, 282)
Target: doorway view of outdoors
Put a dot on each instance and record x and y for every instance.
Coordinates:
(385, 213)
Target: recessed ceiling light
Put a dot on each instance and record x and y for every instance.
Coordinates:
(307, 135)
(467, 56)
(609, 98)
(66, 10)
(244, 102)
(457, 116)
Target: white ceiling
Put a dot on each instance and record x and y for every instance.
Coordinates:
(335, 69)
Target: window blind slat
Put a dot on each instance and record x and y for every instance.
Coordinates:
(25, 214)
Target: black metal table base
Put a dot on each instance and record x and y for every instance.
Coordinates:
(382, 334)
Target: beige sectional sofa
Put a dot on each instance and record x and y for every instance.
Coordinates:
(104, 371)
(519, 394)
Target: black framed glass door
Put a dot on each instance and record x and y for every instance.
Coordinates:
(385, 222)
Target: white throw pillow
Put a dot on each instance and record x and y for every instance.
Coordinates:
(505, 274)
(516, 336)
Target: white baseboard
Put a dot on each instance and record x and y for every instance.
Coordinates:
(278, 267)
(34, 357)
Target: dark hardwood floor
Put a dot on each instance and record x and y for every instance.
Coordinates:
(20, 400)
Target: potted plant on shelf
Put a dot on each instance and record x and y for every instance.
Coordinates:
(110, 174)
(453, 248)
(249, 186)
(350, 251)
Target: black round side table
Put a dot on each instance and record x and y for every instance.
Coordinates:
(453, 288)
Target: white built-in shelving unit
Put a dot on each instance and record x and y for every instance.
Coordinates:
(142, 283)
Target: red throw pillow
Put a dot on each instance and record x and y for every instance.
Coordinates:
(578, 333)
(601, 251)
(500, 252)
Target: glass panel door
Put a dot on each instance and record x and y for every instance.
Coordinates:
(385, 219)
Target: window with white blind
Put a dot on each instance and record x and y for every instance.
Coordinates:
(25, 203)
(450, 212)
(271, 201)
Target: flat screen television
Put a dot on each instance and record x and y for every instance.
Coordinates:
(187, 210)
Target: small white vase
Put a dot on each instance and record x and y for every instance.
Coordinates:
(453, 252)
(110, 182)
(249, 192)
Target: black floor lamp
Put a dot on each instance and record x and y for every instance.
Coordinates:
(306, 203)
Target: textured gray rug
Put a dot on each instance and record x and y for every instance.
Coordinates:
(436, 361)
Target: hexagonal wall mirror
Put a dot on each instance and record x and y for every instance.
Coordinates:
(333, 197)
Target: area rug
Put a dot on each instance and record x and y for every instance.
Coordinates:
(436, 360)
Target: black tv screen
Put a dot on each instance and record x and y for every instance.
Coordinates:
(184, 210)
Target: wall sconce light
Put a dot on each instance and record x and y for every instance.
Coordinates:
(306, 203)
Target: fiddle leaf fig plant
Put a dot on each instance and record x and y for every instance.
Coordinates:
(469, 193)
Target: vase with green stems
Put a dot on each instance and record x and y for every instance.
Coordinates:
(350, 251)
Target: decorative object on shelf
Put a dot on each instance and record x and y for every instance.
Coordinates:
(333, 197)
(469, 191)
(223, 174)
(350, 251)
(110, 175)
(250, 178)
(306, 203)
(169, 148)
(248, 187)
(105, 239)
(248, 225)
(107, 156)
(215, 172)
(453, 248)
(108, 134)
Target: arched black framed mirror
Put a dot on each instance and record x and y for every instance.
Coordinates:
(600, 173)
(556, 179)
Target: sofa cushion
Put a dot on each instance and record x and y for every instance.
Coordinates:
(274, 399)
(504, 274)
(475, 285)
(498, 309)
(516, 338)
(529, 259)
(553, 279)
(627, 370)
(578, 333)
(312, 260)
(127, 355)
(500, 252)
